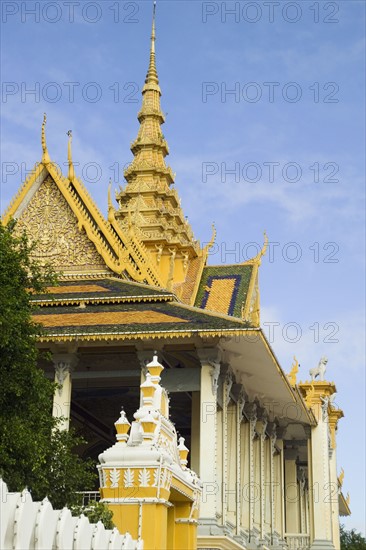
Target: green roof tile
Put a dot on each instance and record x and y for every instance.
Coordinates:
(237, 278)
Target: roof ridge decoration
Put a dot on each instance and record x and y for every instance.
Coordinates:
(251, 307)
(258, 258)
(45, 156)
(71, 172)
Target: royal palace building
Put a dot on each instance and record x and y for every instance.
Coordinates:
(139, 319)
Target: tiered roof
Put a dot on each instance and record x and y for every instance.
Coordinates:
(109, 309)
(147, 240)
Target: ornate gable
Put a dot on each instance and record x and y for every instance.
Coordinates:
(70, 231)
(49, 221)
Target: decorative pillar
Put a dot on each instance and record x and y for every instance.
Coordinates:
(226, 489)
(239, 489)
(302, 485)
(334, 415)
(272, 432)
(210, 371)
(195, 431)
(318, 396)
(280, 484)
(251, 413)
(245, 473)
(291, 493)
(307, 511)
(262, 474)
(64, 364)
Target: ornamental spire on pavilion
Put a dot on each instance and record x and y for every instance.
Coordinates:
(149, 202)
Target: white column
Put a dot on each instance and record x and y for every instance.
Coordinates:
(210, 370)
(320, 489)
(64, 364)
(245, 475)
(272, 481)
(281, 524)
(291, 495)
(307, 512)
(232, 464)
(278, 495)
(239, 487)
(302, 483)
(228, 451)
(219, 464)
(262, 475)
(224, 443)
(256, 495)
(310, 491)
(251, 413)
(334, 491)
(195, 432)
(334, 415)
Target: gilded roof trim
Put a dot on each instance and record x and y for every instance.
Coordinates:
(103, 300)
(141, 335)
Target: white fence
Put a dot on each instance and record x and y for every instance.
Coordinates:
(28, 525)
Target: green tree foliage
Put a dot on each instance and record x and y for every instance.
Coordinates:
(95, 511)
(351, 540)
(34, 453)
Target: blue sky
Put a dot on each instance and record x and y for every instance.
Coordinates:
(292, 133)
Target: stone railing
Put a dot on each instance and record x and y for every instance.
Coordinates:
(297, 542)
(27, 525)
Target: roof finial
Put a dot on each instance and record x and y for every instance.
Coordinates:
(213, 238)
(71, 172)
(45, 156)
(110, 203)
(258, 258)
(153, 28)
(152, 72)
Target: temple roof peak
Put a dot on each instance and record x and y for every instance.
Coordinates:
(152, 74)
(71, 171)
(45, 156)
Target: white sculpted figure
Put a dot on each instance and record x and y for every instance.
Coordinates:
(319, 370)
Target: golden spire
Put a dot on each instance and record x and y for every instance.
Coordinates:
(150, 147)
(148, 207)
(71, 172)
(157, 211)
(152, 74)
(45, 156)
